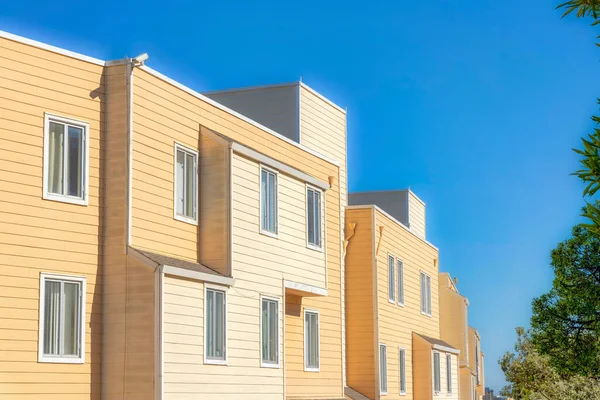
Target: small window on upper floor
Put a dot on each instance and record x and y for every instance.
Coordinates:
(313, 217)
(400, 282)
(186, 184)
(66, 159)
(391, 285)
(268, 202)
(425, 294)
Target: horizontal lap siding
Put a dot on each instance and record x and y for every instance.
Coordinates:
(360, 333)
(186, 375)
(163, 114)
(285, 257)
(397, 323)
(38, 235)
(453, 318)
(416, 215)
(444, 394)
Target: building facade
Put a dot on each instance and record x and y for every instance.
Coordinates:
(394, 348)
(160, 243)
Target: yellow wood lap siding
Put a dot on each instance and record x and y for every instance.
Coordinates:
(38, 235)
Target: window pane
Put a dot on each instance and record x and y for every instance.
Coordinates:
(263, 198)
(383, 368)
(55, 158)
(402, 371)
(265, 330)
(273, 332)
(391, 267)
(272, 203)
(400, 282)
(436, 372)
(51, 317)
(180, 182)
(318, 219)
(428, 295)
(210, 324)
(310, 204)
(311, 323)
(423, 295)
(190, 185)
(449, 373)
(75, 165)
(220, 325)
(71, 319)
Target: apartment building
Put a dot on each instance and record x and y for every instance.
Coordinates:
(158, 244)
(455, 329)
(394, 348)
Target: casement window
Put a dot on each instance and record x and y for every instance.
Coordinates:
(391, 284)
(449, 373)
(313, 217)
(186, 184)
(402, 361)
(425, 294)
(436, 373)
(62, 319)
(269, 332)
(383, 384)
(311, 341)
(215, 346)
(66, 160)
(268, 202)
(400, 282)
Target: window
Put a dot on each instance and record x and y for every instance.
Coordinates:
(62, 319)
(383, 369)
(269, 332)
(473, 390)
(477, 361)
(391, 287)
(402, 361)
(400, 282)
(186, 184)
(65, 160)
(215, 326)
(268, 201)
(449, 373)
(425, 294)
(436, 373)
(313, 217)
(311, 341)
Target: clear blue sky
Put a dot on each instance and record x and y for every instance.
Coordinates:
(474, 105)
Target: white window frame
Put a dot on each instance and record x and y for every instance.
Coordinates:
(449, 373)
(82, 322)
(310, 245)
(263, 363)
(402, 373)
(183, 218)
(439, 372)
(427, 288)
(262, 230)
(311, 311)
(65, 198)
(223, 289)
(391, 281)
(381, 375)
(400, 282)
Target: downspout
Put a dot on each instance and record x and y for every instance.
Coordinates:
(159, 284)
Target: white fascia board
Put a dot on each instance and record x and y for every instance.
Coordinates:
(196, 275)
(446, 349)
(302, 287)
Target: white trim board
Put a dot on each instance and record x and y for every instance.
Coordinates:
(303, 287)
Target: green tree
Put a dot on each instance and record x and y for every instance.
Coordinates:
(566, 320)
(530, 376)
(590, 161)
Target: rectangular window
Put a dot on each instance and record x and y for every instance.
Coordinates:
(268, 201)
(402, 359)
(311, 341)
(270, 332)
(436, 373)
(400, 282)
(383, 387)
(62, 319)
(425, 294)
(186, 184)
(477, 361)
(313, 217)
(215, 326)
(449, 373)
(65, 160)
(391, 286)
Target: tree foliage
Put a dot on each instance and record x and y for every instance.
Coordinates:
(566, 320)
(532, 377)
